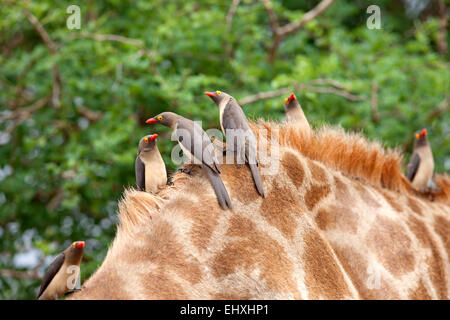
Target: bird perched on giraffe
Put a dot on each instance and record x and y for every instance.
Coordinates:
(197, 146)
(150, 169)
(294, 112)
(240, 138)
(421, 166)
(62, 274)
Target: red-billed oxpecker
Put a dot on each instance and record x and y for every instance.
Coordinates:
(294, 112)
(151, 175)
(63, 273)
(197, 146)
(240, 138)
(421, 166)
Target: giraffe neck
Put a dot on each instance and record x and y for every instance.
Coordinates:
(319, 234)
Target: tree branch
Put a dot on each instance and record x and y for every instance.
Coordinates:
(374, 103)
(56, 91)
(30, 274)
(307, 17)
(111, 37)
(443, 23)
(228, 21)
(231, 13)
(443, 107)
(20, 115)
(278, 33)
(118, 38)
(300, 86)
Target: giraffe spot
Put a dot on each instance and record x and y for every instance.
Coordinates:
(279, 209)
(160, 286)
(420, 293)
(165, 251)
(315, 193)
(392, 201)
(366, 196)
(254, 250)
(337, 217)
(294, 168)
(342, 193)
(436, 267)
(392, 246)
(323, 277)
(356, 266)
(414, 205)
(239, 182)
(204, 215)
(442, 227)
(317, 172)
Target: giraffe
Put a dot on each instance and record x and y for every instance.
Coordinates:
(340, 221)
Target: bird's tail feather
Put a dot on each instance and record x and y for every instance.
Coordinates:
(257, 178)
(219, 188)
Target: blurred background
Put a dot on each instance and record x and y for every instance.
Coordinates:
(73, 101)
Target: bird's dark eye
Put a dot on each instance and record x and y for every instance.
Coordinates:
(180, 139)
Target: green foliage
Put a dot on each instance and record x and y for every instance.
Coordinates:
(63, 171)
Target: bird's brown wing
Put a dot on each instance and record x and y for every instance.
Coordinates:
(413, 166)
(140, 174)
(233, 116)
(187, 135)
(51, 272)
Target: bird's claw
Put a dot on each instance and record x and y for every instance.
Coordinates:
(187, 171)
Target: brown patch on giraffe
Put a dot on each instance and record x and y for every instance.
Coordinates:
(442, 228)
(434, 261)
(414, 205)
(388, 239)
(165, 252)
(317, 172)
(356, 266)
(365, 195)
(323, 277)
(255, 250)
(239, 182)
(342, 193)
(420, 293)
(391, 200)
(204, 215)
(337, 217)
(294, 168)
(160, 286)
(315, 194)
(279, 209)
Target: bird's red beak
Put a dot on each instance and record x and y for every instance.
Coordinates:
(151, 120)
(423, 132)
(292, 97)
(210, 94)
(153, 137)
(80, 244)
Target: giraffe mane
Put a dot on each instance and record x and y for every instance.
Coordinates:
(350, 153)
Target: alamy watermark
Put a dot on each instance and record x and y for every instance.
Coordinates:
(73, 281)
(374, 20)
(74, 20)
